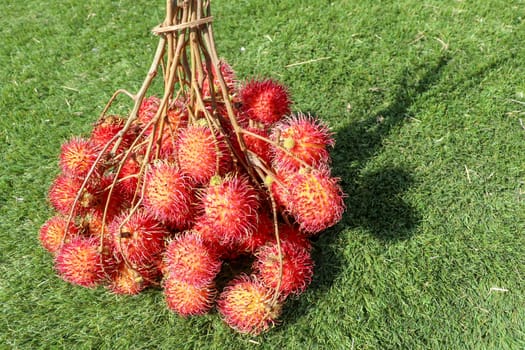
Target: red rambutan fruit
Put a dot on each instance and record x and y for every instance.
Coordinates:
(279, 185)
(303, 136)
(297, 268)
(147, 110)
(77, 156)
(107, 128)
(190, 260)
(247, 305)
(126, 280)
(187, 299)
(229, 78)
(292, 234)
(177, 117)
(114, 199)
(225, 250)
(168, 195)
(128, 178)
(139, 237)
(230, 207)
(201, 154)
(258, 146)
(263, 233)
(316, 200)
(63, 192)
(53, 231)
(80, 262)
(132, 280)
(91, 224)
(175, 120)
(265, 101)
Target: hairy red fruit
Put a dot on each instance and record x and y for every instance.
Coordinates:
(292, 234)
(80, 262)
(53, 231)
(107, 129)
(316, 201)
(230, 208)
(263, 233)
(297, 268)
(168, 195)
(132, 280)
(63, 192)
(225, 250)
(112, 201)
(139, 237)
(258, 146)
(190, 260)
(77, 156)
(229, 78)
(246, 305)
(174, 121)
(279, 185)
(201, 154)
(303, 136)
(91, 224)
(265, 101)
(147, 110)
(187, 299)
(128, 177)
(126, 280)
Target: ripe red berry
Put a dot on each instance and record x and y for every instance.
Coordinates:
(247, 306)
(168, 195)
(132, 280)
(147, 110)
(306, 138)
(258, 146)
(129, 177)
(53, 231)
(297, 267)
(80, 262)
(190, 260)
(77, 156)
(229, 78)
(230, 208)
(63, 192)
(139, 237)
(316, 200)
(202, 154)
(265, 101)
(262, 234)
(187, 299)
(107, 129)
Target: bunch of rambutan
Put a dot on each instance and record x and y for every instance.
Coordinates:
(175, 208)
(211, 192)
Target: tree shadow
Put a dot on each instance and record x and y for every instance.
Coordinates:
(375, 198)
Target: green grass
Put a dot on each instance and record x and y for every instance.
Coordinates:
(422, 98)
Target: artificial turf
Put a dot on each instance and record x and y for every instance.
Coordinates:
(427, 102)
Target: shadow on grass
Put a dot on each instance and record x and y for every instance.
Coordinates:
(375, 199)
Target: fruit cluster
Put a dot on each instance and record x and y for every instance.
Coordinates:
(217, 211)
